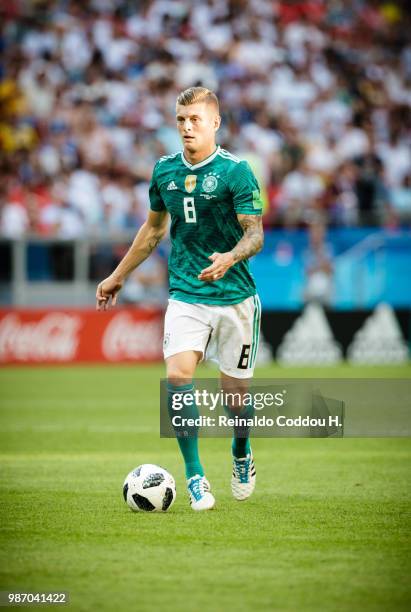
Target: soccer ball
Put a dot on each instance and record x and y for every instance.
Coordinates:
(149, 488)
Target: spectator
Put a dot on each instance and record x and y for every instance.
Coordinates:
(400, 201)
(302, 189)
(14, 221)
(319, 267)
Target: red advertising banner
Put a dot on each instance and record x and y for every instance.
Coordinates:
(80, 336)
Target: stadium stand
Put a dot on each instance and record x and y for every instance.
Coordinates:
(316, 94)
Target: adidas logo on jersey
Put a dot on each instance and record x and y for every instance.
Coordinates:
(171, 186)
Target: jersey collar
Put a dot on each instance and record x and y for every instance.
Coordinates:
(205, 161)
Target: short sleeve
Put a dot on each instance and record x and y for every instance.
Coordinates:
(156, 202)
(245, 190)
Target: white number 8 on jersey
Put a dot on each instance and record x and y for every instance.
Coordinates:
(189, 210)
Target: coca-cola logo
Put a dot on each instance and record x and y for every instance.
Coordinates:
(125, 338)
(52, 338)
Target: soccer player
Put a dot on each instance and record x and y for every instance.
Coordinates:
(214, 202)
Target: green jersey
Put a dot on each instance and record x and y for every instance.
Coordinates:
(203, 201)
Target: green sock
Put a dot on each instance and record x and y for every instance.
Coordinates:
(187, 437)
(240, 445)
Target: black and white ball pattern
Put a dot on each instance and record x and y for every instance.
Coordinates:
(149, 488)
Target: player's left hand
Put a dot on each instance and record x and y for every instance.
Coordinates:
(221, 263)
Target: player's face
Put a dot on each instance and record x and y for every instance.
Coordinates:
(197, 124)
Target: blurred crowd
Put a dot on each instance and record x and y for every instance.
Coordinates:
(315, 94)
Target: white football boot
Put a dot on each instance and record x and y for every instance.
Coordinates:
(199, 492)
(243, 478)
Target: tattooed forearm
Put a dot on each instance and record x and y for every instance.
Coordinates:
(253, 239)
(151, 244)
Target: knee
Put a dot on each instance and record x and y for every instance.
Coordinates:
(181, 367)
(179, 376)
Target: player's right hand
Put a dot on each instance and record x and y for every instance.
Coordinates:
(108, 289)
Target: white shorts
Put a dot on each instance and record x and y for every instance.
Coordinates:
(228, 334)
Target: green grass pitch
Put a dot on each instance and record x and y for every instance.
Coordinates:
(325, 530)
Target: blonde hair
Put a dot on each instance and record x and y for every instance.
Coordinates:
(192, 95)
